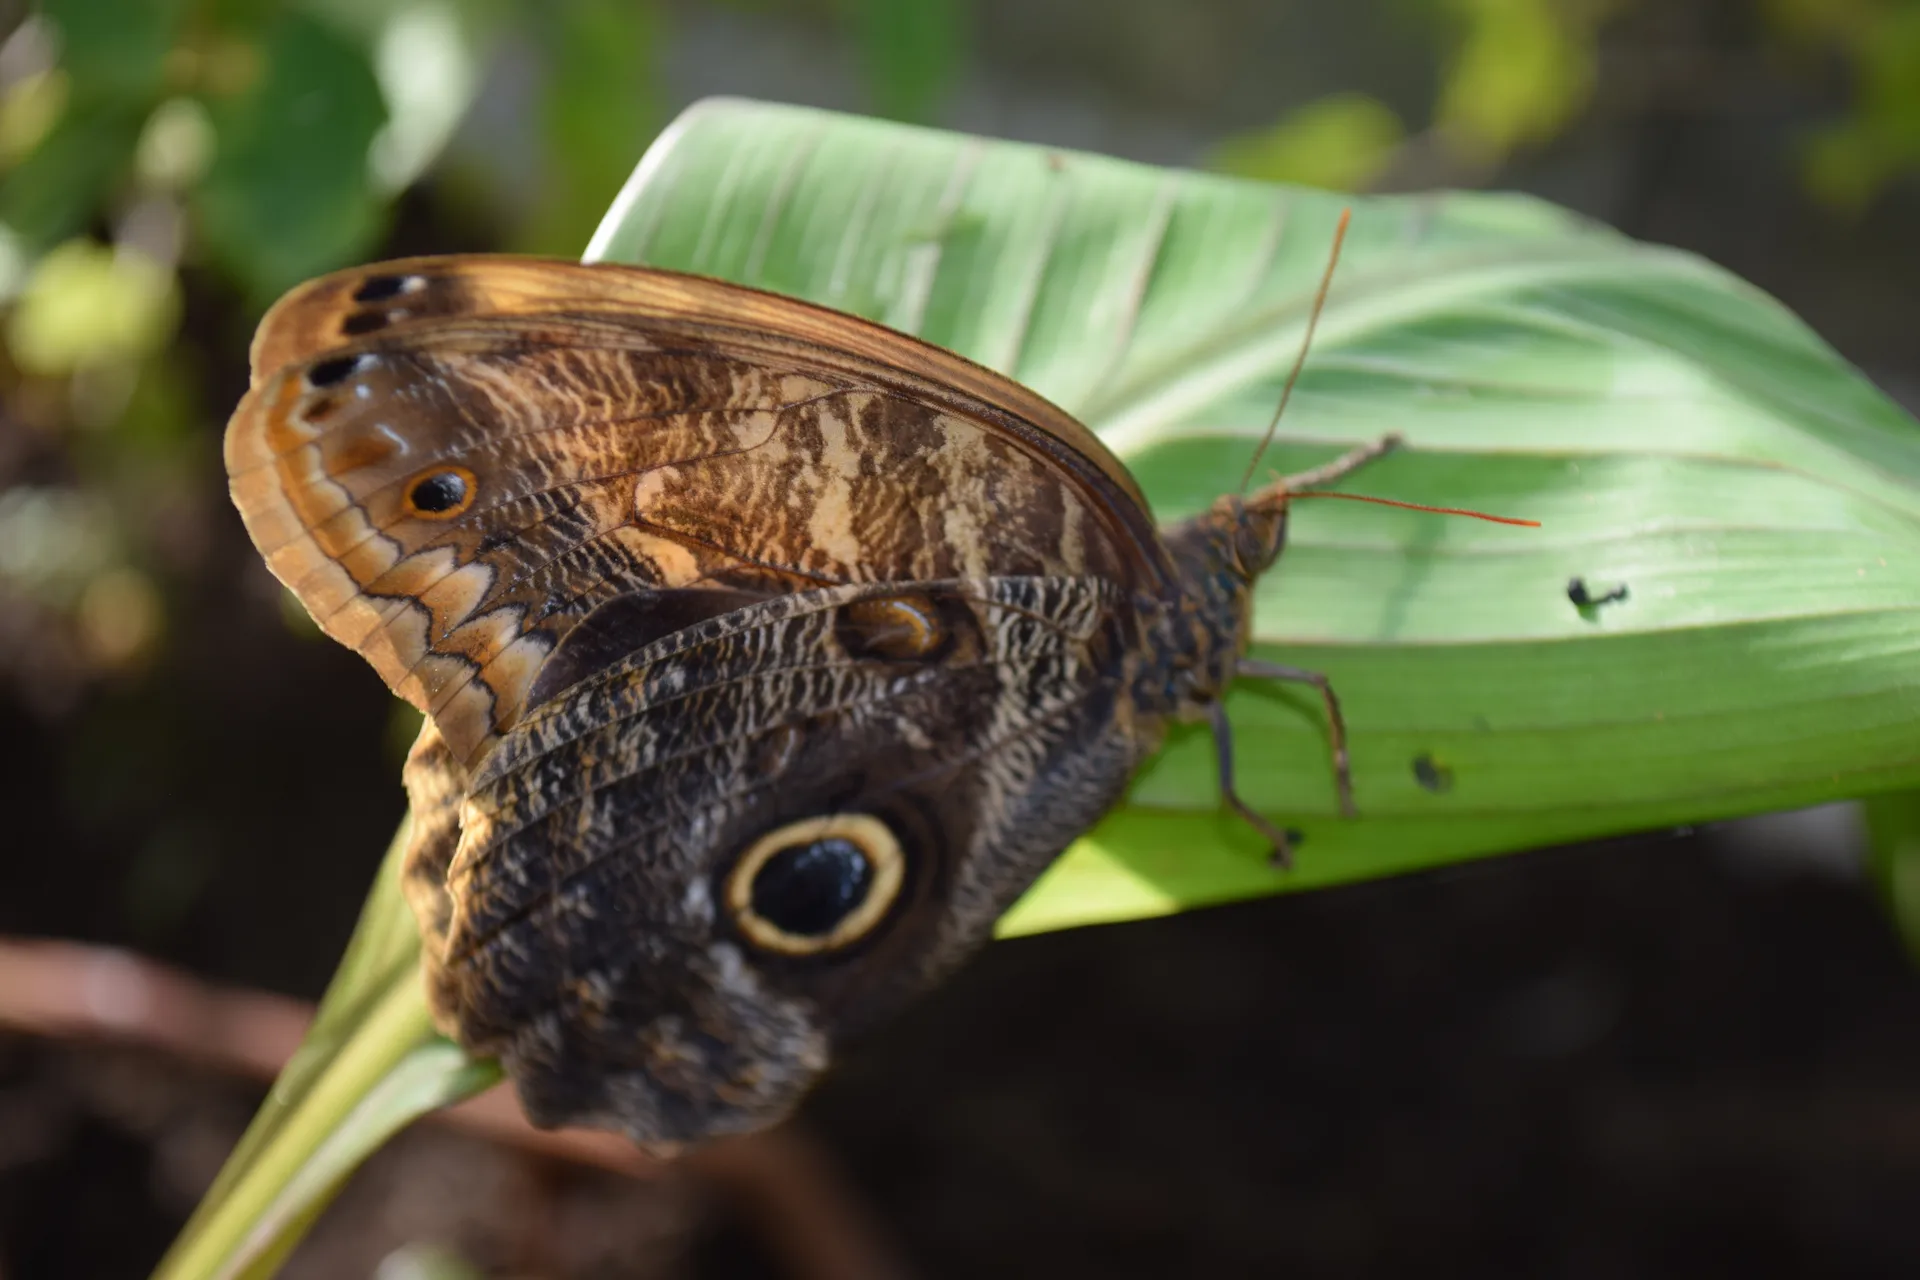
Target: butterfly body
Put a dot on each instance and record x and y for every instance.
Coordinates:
(767, 655)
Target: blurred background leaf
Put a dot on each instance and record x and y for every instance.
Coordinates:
(1342, 142)
(597, 112)
(290, 192)
(68, 173)
(911, 53)
(86, 305)
(1518, 71)
(114, 48)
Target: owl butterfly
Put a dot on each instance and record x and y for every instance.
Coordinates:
(767, 654)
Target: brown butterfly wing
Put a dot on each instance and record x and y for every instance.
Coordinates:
(453, 461)
(587, 933)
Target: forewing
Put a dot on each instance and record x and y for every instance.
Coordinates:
(453, 461)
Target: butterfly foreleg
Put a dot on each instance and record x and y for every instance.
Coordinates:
(1281, 847)
(1260, 669)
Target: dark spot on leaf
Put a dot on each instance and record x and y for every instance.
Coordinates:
(1583, 598)
(1432, 775)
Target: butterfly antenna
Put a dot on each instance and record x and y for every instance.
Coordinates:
(1306, 343)
(1415, 506)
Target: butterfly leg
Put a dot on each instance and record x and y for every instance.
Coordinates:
(1336, 723)
(1282, 855)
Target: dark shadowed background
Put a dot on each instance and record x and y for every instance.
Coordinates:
(1684, 1053)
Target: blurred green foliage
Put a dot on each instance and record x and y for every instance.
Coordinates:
(1343, 141)
(1516, 74)
(599, 112)
(1849, 161)
(911, 52)
(290, 193)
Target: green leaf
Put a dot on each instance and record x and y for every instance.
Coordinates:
(87, 305)
(1343, 142)
(1676, 431)
(112, 56)
(597, 108)
(911, 51)
(370, 1064)
(114, 47)
(1520, 70)
(57, 188)
(289, 194)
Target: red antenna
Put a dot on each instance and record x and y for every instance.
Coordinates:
(1306, 342)
(1296, 495)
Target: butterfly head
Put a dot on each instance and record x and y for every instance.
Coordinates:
(1218, 555)
(1254, 529)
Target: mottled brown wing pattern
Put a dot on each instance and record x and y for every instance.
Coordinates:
(452, 462)
(436, 789)
(589, 942)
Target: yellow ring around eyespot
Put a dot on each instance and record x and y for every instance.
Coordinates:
(872, 837)
(469, 489)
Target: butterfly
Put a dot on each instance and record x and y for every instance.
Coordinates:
(767, 654)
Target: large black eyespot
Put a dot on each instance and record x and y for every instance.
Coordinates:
(442, 493)
(810, 888)
(815, 885)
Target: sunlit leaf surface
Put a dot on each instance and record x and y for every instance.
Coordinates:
(1678, 433)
